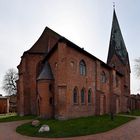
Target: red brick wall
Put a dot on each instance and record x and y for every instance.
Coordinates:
(46, 98)
(4, 105)
(53, 61)
(27, 84)
(28, 71)
(69, 77)
(123, 91)
(65, 67)
(74, 79)
(124, 69)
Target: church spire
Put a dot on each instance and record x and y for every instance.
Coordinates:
(117, 46)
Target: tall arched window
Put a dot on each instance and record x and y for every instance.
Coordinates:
(75, 96)
(103, 77)
(89, 96)
(82, 67)
(83, 96)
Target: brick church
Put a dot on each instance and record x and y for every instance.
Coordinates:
(58, 79)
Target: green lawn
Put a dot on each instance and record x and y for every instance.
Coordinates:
(74, 127)
(134, 113)
(14, 117)
(7, 115)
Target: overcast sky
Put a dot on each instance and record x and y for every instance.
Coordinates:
(87, 23)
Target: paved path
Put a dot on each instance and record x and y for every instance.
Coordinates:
(129, 131)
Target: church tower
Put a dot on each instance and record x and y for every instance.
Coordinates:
(118, 56)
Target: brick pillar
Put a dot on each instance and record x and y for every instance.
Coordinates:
(97, 93)
(45, 99)
(112, 89)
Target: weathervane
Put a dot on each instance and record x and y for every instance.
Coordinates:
(114, 5)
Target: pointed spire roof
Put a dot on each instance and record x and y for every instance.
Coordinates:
(46, 73)
(117, 45)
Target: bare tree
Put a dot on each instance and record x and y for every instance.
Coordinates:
(137, 66)
(9, 82)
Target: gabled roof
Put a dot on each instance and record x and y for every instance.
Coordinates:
(77, 48)
(41, 45)
(46, 73)
(117, 45)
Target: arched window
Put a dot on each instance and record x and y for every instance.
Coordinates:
(83, 96)
(56, 64)
(75, 96)
(72, 64)
(82, 67)
(50, 87)
(103, 77)
(89, 96)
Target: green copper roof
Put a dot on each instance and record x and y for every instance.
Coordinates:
(117, 45)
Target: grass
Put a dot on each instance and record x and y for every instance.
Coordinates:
(7, 115)
(134, 113)
(74, 127)
(14, 117)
